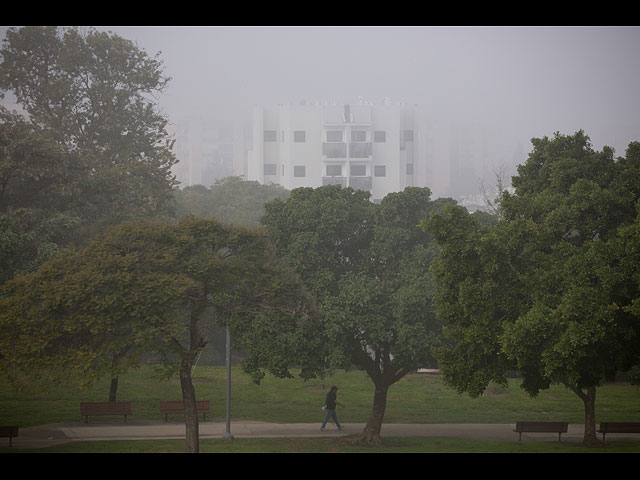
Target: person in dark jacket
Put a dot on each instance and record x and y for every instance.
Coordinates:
(330, 408)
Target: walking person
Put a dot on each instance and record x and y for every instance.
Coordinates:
(330, 407)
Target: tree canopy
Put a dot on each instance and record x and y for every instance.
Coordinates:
(551, 289)
(367, 265)
(230, 200)
(92, 95)
(153, 287)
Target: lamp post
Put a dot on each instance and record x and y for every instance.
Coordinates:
(228, 435)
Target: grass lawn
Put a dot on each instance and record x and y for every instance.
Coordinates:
(418, 398)
(333, 445)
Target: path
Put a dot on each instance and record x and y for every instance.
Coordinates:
(55, 434)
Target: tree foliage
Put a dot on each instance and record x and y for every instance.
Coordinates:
(153, 287)
(230, 200)
(550, 289)
(367, 266)
(92, 94)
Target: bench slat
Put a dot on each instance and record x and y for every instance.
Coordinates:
(177, 406)
(618, 427)
(542, 427)
(105, 408)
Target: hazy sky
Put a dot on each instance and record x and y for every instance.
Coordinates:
(523, 81)
(514, 82)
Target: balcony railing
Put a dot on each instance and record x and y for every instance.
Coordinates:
(360, 150)
(334, 181)
(334, 150)
(360, 183)
(339, 150)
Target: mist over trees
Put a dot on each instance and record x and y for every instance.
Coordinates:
(104, 259)
(230, 200)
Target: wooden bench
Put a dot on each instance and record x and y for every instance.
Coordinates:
(542, 427)
(618, 427)
(9, 432)
(177, 406)
(105, 408)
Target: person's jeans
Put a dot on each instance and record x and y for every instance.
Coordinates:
(331, 413)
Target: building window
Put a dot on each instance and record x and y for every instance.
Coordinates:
(358, 170)
(334, 136)
(299, 171)
(269, 168)
(408, 135)
(269, 135)
(358, 136)
(409, 168)
(380, 170)
(380, 136)
(334, 170)
(299, 136)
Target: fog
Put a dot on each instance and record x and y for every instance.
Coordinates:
(499, 86)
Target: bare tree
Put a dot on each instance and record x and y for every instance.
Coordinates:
(492, 194)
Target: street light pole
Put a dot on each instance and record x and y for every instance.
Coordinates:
(227, 434)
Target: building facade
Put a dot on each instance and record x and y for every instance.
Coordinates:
(209, 149)
(364, 146)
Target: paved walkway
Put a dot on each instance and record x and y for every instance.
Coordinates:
(47, 435)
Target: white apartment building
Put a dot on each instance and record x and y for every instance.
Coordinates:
(364, 146)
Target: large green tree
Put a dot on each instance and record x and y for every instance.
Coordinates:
(550, 290)
(368, 268)
(94, 94)
(152, 287)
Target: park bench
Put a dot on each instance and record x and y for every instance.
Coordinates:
(618, 427)
(105, 408)
(9, 432)
(177, 406)
(542, 427)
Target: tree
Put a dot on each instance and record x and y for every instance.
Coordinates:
(150, 287)
(549, 290)
(38, 179)
(367, 266)
(93, 93)
(230, 200)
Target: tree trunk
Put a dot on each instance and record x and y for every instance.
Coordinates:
(190, 413)
(371, 433)
(113, 389)
(589, 400)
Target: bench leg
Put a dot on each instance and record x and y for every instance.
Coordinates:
(559, 436)
(520, 439)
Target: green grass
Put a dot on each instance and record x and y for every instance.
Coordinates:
(418, 398)
(332, 445)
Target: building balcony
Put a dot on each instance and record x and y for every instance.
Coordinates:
(360, 150)
(334, 150)
(361, 183)
(334, 181)
(343, 150)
